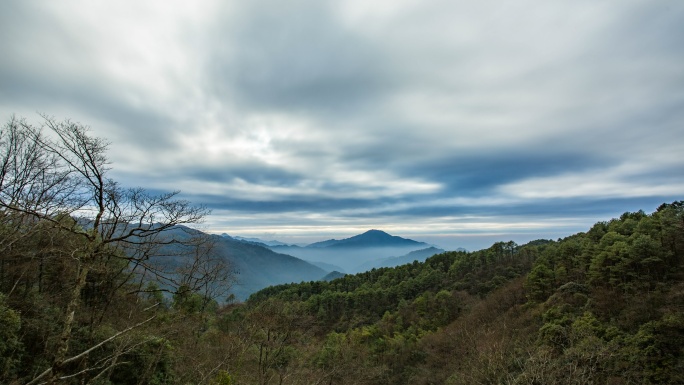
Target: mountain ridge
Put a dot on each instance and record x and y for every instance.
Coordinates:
(370, 238)
(258, 266)
(254, 265)
(417, 255)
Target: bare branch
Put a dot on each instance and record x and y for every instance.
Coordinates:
(94, 347)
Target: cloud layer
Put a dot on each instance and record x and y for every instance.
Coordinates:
(453, 121)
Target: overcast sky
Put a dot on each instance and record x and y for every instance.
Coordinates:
(458, 123)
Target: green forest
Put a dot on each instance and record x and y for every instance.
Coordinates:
(86, 299)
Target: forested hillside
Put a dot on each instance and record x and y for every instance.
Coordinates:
(605, 306)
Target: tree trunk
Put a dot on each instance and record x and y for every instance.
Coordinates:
(65, 337)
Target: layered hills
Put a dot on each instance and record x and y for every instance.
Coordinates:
(251, 264)
(256, 267)
(256, 264)
(417, 255)
(357, 253)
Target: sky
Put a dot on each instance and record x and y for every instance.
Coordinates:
(458, 123)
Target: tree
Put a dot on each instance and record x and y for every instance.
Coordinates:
(10, 345)
(59, 182)
(539, 282)
(274, 328)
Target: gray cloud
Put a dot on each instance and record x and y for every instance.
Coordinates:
(43, 73)
(298, 57)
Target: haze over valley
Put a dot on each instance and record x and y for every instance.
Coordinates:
(258, 264)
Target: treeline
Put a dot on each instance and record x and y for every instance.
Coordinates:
(365, 298)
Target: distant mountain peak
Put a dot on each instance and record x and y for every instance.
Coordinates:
(370, 238)
(256, 241)
(374, 233)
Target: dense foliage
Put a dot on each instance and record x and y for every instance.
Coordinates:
(605, 306)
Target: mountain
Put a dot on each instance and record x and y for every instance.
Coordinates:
(418, 255)
(333, 275)
(371, 238)
(257, 267)
(254, 266)
(327, 266)
(350, 254)
(321, 244)
(257, 241)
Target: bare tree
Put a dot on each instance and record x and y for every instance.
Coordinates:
(58, 174)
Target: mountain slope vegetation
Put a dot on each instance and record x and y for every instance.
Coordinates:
(605, 306)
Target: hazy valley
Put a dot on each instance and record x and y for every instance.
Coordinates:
(258, 264)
